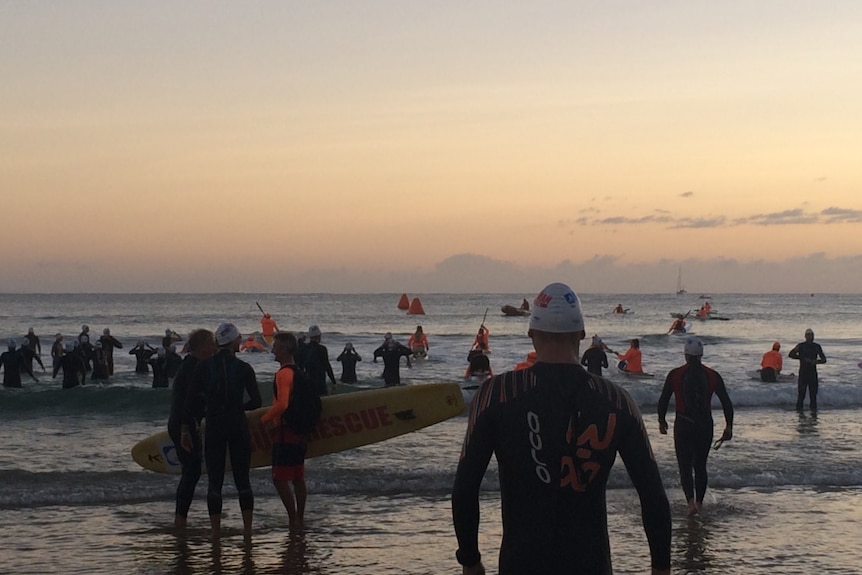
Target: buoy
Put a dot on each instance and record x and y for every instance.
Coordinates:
(404, 303)
(415, 307)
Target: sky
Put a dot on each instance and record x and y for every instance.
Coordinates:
(394, 146)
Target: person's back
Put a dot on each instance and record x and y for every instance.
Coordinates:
(595, 359)
(553, 482)
(633, 360)
(348, 358)
(12, 363)
(73, 368)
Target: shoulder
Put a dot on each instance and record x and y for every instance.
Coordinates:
(615, 397)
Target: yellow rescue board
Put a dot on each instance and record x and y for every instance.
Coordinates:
(348, 420)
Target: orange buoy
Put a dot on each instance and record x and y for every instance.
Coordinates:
(415, 307)
(404, 303)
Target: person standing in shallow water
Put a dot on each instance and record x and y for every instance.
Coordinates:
(13, 363)
(109, 342)
(693, 385)
(348, 358)
(810, 355)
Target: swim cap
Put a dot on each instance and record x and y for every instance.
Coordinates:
(557, 309)
(106, 331)
(59, 336)
(693, 346)
(776, 346)
(85, 327)
(809, 331)
(597, 341)
(167, 332)
(348, 345)
(226, 333)
(12, 344)
(313, 331)
(142, 343)
(388, 335)
(30, 330)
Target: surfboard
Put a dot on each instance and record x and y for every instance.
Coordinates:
(782, 377)
(348, 420)
(642, 375)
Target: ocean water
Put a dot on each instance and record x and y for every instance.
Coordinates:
(784, 494)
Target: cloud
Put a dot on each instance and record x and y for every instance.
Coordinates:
(716, 222)
(783, 218)
(842, 216)
(686, 194)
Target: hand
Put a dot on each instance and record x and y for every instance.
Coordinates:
(477, 569)
(727, 435)
(662, 426)
(186, 440)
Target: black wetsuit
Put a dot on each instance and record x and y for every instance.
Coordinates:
(223, 379)
(316, 365)
(348, 359)
(479, 363)
(13, 365)
(807, 353)
(34, 342)
(160, 371)
(392, 362)
(57, 352)
(595, 359)
(142, 356)
(190, 461)
(73, 367)
(109, 342)
(693, 385)
(29, 355)
(173, 360)
(555, 430)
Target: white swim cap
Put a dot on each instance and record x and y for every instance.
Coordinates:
(167, 332)
(226, 333)
(313, 331)
(597, 341)
(693, 346)
(557, 309)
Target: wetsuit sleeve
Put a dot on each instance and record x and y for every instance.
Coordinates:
(820, 354)
(284, 387)
(584, 359)
(328, 365)
(475, 455)
(637, 455)
(664, 398)
(378, 352)
(794, 353)
(724, 398)
(196, 386)
(116, 343)
(252, 389)
(604, 359)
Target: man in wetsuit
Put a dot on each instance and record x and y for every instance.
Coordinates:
(809, 354)
(224, 380)
(29, 355)
(57, 350)
(100, 363)
(348, 358)
(34, 342)
(692, 386)
(201, 345)
(142, 352)
(595, 357)
(555, 431)
(109, 342)
(316, 361)
(74, 371)
(170, 338)
(391, 351)
(13, 364)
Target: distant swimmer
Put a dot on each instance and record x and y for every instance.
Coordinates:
(810, 355)
(171, 337)
(57, 349)
(771, 364)
(692, 386)
(630, 361)
(109, 342)
(34, 342)
(29, 355)
(620, 309)
(159, 364)
(268, 327)
(85, 333)
(252, 345)
(478, 365)
(392, 351)
(481, 340)
(13, 363)
(201, 345)
(316, 361)
(418, 343)
(74, 372)
(595, 357)
(142, 352)
(348, 358)
(100, 363)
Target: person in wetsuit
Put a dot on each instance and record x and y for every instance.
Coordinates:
(595, 357)
(100, 363)
(142, 352)
(392, 351)
(29, 355)
(555, 431)
(809, 354)
(57, 350)
(13, 364)
(201, 345)
(348, 358)
(315, 361)
(170, 338)
(34, 342)
(74, 371)
(692, 386)
(224, 380)
(109, 342)
(478, 365)
(159, 364)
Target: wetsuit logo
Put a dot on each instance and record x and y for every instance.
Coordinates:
(536, 446)
(542, 300)
(580, 470)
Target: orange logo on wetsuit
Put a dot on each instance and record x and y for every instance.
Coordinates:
(579, 471)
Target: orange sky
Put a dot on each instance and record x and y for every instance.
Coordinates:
(164, 141)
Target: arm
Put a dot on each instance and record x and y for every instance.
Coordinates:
(821, 357)
(251, 388)
(794, 353)
(604, 360)
(284, 387)
(475, 455)
(637, 455)
(663, 402)
(727, 406)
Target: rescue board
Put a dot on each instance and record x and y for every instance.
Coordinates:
(635, 375)
(348, 420)
(782, 377)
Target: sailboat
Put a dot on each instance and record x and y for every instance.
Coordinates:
(679, 289)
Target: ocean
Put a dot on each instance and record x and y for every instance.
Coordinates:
(785, 494)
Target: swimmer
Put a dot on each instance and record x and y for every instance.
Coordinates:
(348, 358)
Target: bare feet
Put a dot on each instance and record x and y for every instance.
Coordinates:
(693, 508)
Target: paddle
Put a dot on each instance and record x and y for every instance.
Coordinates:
(260, 308)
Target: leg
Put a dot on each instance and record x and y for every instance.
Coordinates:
(287, 499)
(801, 386)
(704, 443)
(813, 385)
(301, 490)
(191, 474)
(240, 460)
(214, 454)
(685, 457)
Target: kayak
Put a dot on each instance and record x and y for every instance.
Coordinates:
(641, 375)
(512, 311)
(782, 377)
